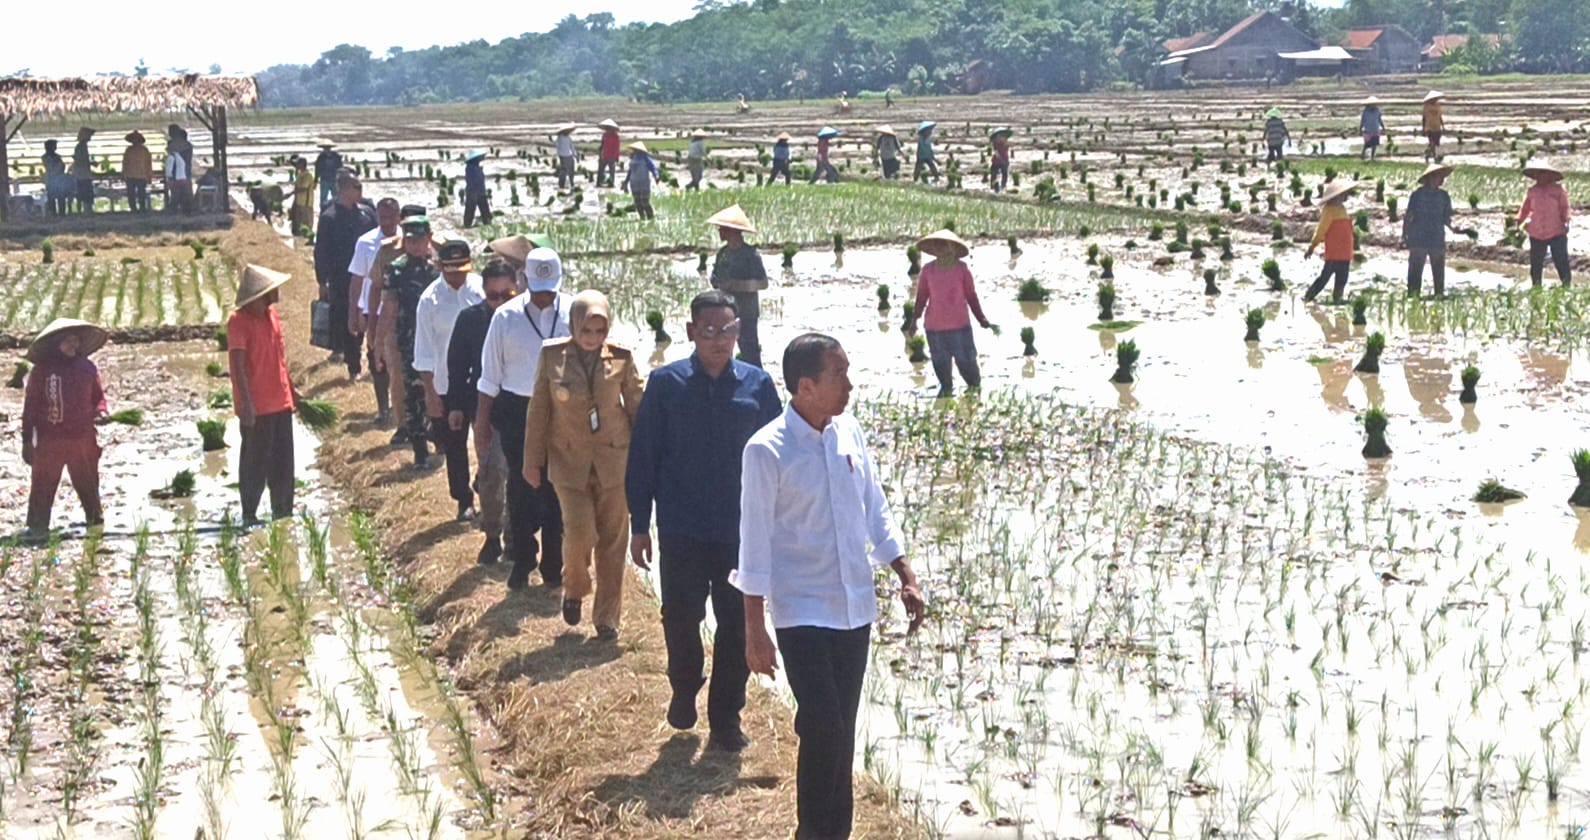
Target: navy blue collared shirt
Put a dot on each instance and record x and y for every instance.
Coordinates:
(685, 450)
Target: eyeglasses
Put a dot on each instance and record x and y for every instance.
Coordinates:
(729, 330)
(499, 297)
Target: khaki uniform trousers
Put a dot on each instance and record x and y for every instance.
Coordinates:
(595, 528)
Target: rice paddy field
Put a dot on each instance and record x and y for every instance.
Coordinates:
(1176, 586)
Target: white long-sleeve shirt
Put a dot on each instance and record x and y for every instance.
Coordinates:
(511, 356)
(565, 144)
(364, 254)
(433, 324)
(813, 523)
(176, 168)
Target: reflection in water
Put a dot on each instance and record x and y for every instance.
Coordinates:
(1032, 309)
(918, 377)
(1429, 383)
(1335, 326)
(1107, 341)
(1333, 379)
(883, 324)
(1546, 369)
(1029, 368)
(1581, 535)
(1255, 355)
(1372, 390)
(839, 259)
(1126, 401)
(1470, 421)
(1376, 481)
(657, 358)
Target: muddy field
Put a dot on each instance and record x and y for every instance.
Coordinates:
(1187, 606)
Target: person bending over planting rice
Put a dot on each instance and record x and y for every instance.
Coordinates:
(64, 400)
(945, 294)
(1544, 215)
(1335, 232)
(263, 396)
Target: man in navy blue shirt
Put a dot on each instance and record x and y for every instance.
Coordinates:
(684, 455)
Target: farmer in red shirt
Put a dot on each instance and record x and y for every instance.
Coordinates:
(1544, 215)
(64, 400)
(262, 395)
(607, 158)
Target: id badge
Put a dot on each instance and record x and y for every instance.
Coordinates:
(596, 422)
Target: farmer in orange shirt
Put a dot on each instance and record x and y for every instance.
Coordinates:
(1335, 230)
(1544, 215)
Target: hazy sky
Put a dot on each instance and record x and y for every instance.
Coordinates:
(96, 36)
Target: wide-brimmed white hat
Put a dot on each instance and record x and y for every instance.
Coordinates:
(940, 241)
(732, 217)
(1336, 189)
(564, 128)
(257, 282)
(1543, 172)
(886, 129)
(543, 270)
(92, 337)
(1434, 94)
(1434, 169)
(638, 146)
(607, 125)
(518, 247)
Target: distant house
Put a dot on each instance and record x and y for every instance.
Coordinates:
(1433, 56)
(1382, 49)
(1253, 49)
(1175, 45)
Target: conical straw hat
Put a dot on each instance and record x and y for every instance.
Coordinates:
(1336, 189)
(1543, 172)
(257, 281)
(886, 129)
(1433, 169)
(638, 146)
(943, 240)
(91, 336)
(565, 128)
(1372, 100)
(698, 134)
(732, 217)
(782, 135)
(1434, 94)
(607, 125)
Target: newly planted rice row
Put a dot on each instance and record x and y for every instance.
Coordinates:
(115, 295)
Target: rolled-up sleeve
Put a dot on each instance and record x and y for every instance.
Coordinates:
(888, 544)
(425, 335)
(491, 370)
(758, 501)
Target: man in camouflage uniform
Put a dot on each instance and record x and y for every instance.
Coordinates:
(407, 278)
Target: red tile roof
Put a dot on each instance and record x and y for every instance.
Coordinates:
(1237, 30)
(1362, 39)
(1187, 43)
(1442, 44)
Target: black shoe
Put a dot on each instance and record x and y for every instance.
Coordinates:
(518, 580)
(682, 710)
(606, 634)
(728, 740)
(466, 511)
(422, 463)
(383, 419)
(491, 552)
(571, 611)
(551, 582)
(400, 437)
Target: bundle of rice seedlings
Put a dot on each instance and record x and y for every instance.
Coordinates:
(317, 414)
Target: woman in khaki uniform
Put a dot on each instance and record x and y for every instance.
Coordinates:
(586, 394)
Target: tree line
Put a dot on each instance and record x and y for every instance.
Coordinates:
(792, 49)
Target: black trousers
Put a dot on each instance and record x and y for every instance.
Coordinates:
(1559, 257)
(476, 202)
(891, 168)
(825, 670)
(1336, 268)
(1416, 260)
(266, 459)
(138, 195)
(530, 509)
(1274, 153)
(455, 448)
(780, 167)
(606, 171)
(350, 345)
(85, 195)
(693, 571)
(921, 166)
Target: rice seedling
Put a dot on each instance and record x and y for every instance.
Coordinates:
(1028, 335)
(1106, 267)
(1375, 446)
(789, 253)
(654, 322)
(317, 415)
(1106, 300)
(220, 398)
(1492, 491)
(1470, 378)
(1272, 271)
(916, 348)
(1126, 355)
(1210, 288)
(1032, 290)
(212, 433)
(883, 298)
(129, 417)
(1360, 308)
(1373, 347)
(1254, 319)
(215, 370)
(19, 374)
(1581, 471)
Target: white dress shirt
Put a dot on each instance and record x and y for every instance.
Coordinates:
(433, 324)
(810, 507)
(364, 254)
(565, 145)
(511, 356)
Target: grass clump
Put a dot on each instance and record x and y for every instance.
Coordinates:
(654, 320)
(1581, 470)
(1373, 347)
(1471, 377)
(213, 433)
(1032, 290)
(1028, 336)
(1375, 422)
(1494, 492)
(318, 415)
(127, 417)
(1106, 298)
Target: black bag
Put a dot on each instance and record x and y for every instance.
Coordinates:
(320, 325)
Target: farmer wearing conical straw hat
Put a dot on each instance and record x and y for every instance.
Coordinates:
(1275, 134)
(607, 157)
(83, 170)
(64, 399)
(999, 162)
(946, 302)
(886, 150)
(475, 192)
(638, 180)
(1335, 232)
(1432, 122)
(563, 141)
(780, 159)
(824, 169)
(1544, 215)
(137, 167)
(924, 152)
(1424, 227)
(263, 397)
(696, 159)
(738, 270)
(1371, 125)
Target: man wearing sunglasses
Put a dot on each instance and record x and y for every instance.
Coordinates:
(463, 371)
(684, 455)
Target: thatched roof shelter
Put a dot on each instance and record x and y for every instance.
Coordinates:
(31, 97)
(205, 97)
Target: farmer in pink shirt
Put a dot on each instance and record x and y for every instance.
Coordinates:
(945, 295)
(1544, 215)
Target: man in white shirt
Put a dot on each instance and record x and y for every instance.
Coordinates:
(565, 149)
(811, 505)
(509, 361)
(456, 290)
(364, 253)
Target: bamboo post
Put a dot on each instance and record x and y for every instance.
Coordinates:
(5, 167)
